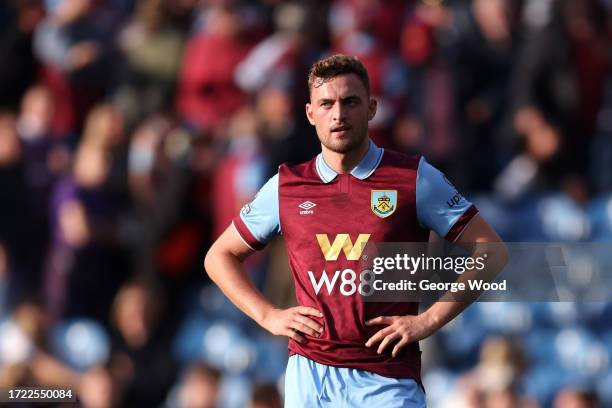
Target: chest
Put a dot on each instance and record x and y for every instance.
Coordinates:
(384, 209)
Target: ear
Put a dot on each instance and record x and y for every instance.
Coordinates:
(309, 114)
(372, 105)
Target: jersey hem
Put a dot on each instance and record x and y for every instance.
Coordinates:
(415, 375)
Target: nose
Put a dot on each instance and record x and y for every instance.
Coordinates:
(338, 112)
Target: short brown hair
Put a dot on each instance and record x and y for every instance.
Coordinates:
(336, 65)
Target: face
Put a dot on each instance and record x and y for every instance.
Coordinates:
(340, 110)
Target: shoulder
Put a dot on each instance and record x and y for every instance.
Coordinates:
(400, 161)
(304, 170)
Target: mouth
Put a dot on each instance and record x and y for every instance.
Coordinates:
(340, 130)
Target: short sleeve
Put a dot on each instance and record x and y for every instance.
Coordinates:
(440, 207)
(259, 220)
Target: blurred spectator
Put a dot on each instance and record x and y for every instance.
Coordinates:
(75, 49)
(558, 91)
(426, 124)
(494, 382)
(12, 211)
(36, 115)
(143, 160)
(87, 262)
(18, 68)
(240, 173)
(104, 128)
(266, 396)
(285, 134)
(207, 92)
(573, 398)
(483, 53)
(526, 171)
(23, 355)
(153, 50)
(169, 181)
(237, 177)
(140, 359)
(97, 389)
(105, 131)
(282, 59)
(199, 388)
(22, 223)
(45, 159)
(380, 19)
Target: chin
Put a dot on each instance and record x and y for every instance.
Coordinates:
(342, 145)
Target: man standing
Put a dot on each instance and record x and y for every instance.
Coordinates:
(344, 351)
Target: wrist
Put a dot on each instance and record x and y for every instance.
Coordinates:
(264, 316)
(432, 319)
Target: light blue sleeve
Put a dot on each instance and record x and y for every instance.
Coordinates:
(439, 205)
(261, 216)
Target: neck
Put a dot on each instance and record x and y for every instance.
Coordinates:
(343, 163)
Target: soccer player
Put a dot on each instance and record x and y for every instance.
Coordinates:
(345, 352)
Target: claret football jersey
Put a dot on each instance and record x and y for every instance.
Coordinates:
(325, 218)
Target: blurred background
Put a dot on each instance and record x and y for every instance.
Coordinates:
(132, 131)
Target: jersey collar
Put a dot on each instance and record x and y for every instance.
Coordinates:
(362, 171)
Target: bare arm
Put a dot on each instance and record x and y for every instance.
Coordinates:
(223, 263)
(407, 329)
(478, 231)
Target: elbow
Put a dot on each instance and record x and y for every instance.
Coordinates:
(209, 261)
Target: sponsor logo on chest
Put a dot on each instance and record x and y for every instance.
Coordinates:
(346, 280)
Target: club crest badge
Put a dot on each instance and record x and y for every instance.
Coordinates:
(383, 203)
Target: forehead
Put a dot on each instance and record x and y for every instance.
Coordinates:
(340, 86)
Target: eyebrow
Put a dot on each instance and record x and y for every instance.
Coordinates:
(345, 99)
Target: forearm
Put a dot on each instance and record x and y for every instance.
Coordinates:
(440, 313)
(452, 304)
(226, 271)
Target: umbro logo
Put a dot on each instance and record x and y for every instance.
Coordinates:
(307, 207)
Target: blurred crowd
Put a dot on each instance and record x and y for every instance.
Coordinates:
(132, 131)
